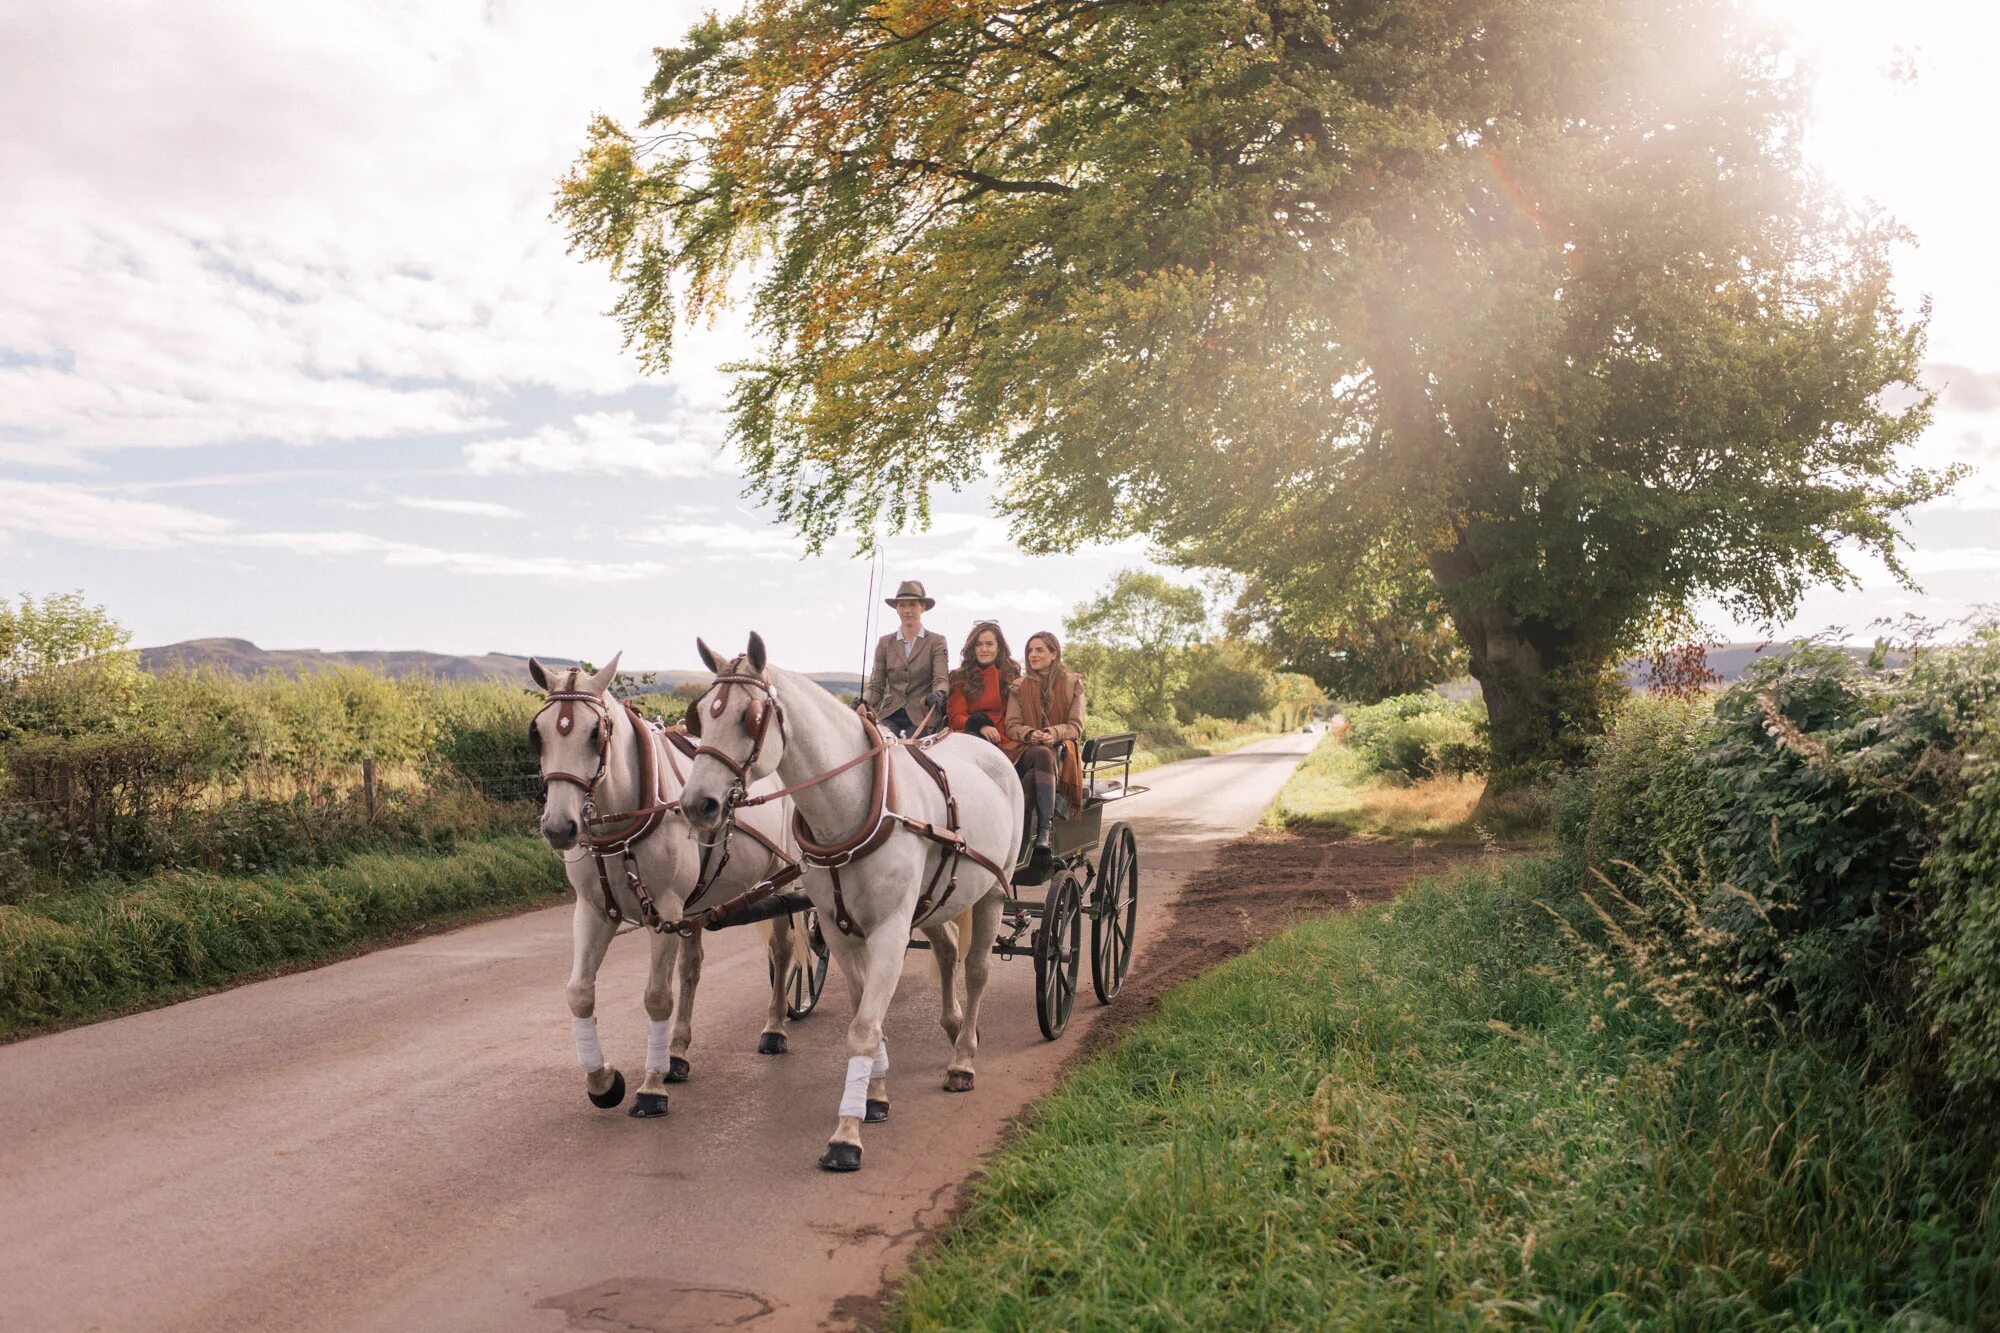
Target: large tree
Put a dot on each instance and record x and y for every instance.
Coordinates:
(1534, 296)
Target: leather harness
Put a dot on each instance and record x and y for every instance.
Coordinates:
(620, 831)
(875, 828)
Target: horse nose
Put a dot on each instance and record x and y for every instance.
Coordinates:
(561, 833)
(703, 809)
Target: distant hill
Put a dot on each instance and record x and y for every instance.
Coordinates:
(240, 657)
(1727, 660)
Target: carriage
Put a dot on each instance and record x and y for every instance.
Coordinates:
(1075, 886)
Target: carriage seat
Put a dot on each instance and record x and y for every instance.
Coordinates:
(1107, 763)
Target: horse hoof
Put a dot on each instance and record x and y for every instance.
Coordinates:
(648, 1106)
(841, 1157)
(771, 1043)
(612, 1095)
(877, 1112)
(958, 1080)
(677, 1070)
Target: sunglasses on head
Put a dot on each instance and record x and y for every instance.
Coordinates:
(986, 624)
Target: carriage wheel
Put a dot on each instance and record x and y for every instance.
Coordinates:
(804, 983)
(1114, 920)
(1057, 953)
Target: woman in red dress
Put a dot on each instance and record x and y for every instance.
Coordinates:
(976, 703)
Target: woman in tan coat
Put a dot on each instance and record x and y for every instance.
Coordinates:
(1045, 715)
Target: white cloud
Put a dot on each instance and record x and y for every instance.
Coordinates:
(324, 220)
(1953, 560)
(73, 513)
(482, 508)
(608, 443)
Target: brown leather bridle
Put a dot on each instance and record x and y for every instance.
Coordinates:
(619, 831)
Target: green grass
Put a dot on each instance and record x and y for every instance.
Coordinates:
(1332, 789)
(1441, 1115)
(117, 944)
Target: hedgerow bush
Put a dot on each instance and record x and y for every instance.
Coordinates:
(107, 771)
(1839, 824)
(1420, 736)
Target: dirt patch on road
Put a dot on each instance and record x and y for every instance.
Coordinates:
(1261, 885)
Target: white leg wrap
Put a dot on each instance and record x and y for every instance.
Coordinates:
(656, 1044)
(880, 1069)
(854, 1101)
(589, 1055)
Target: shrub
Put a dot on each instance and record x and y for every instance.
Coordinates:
(1649, 798)
(1846, 820)
(1961, 981)
(1224, 680)
(1419, 735)
(481, 739)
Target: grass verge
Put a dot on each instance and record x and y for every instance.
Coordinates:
(117, 945)
(1443, 1114)
(1332, 789)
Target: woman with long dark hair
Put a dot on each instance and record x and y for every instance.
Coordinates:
(1045, 715)
(976, 703)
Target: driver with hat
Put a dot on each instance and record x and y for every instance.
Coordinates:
(912, 668)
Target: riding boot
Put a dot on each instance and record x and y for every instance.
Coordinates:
(1045, 813)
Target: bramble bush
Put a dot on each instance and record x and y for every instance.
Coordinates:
(1838, 823)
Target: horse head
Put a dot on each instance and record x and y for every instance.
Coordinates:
(741, 738)
(571, 736)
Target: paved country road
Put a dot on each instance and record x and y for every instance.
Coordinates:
(401, 1141)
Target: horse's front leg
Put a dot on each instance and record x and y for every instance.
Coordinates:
(590, 934)
(690, 977)
(780, 933)
(874, 966)
(661, 1067)
(978, 945)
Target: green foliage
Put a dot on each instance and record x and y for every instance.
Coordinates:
(105, 774)
(113, 943)
(1363, 639)
(1836, 820)
(63, 668)
(482, 738)
(1649, 798)
(1419, 735)
(1142, 627)
(1328, 295)
(1454, 1113)
(1225, 680)
(61, 630)
(1961, 984)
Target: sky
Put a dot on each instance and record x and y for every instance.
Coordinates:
(291, 350)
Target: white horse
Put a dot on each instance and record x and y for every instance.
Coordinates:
(886, 849)
(598, 757)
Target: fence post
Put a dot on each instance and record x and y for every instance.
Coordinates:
(368, 786)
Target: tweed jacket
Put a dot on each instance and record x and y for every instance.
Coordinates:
(902, 682)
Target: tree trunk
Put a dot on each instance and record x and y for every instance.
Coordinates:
(1526, 672)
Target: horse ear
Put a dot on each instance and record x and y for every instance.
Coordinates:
(708, 656)
(607, 673)
(756, 651)
(538, 673)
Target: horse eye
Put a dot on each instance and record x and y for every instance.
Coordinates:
(535, 737)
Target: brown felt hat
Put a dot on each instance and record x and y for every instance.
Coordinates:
(911, 591)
